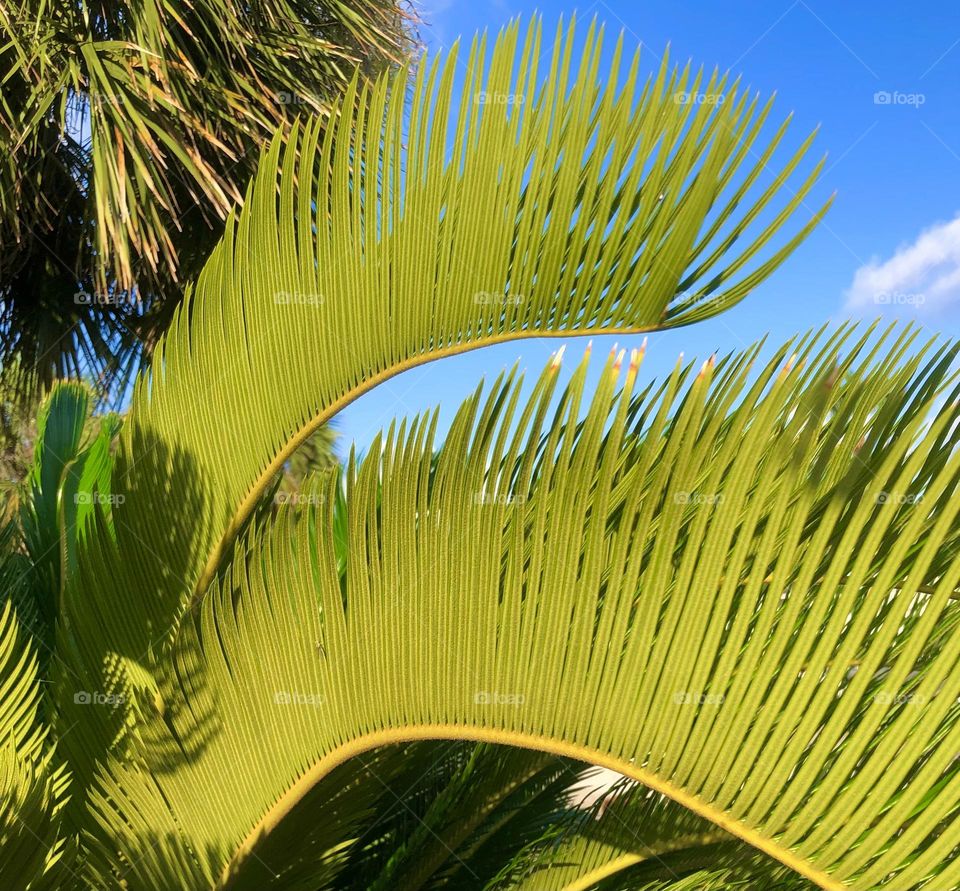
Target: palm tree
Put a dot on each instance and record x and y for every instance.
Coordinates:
(736, 587)
(127, 132)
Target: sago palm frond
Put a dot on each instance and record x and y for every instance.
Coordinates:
(474, 799)
(60, 427)
(738, 589)
(395, 237)
(32, 786)
(69, 475)
(632, 838)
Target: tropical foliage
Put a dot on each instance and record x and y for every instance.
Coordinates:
(737, 587)
(127, 132)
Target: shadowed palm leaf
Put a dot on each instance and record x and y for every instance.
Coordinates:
(737, 587)
(755, 568)
(373, 258)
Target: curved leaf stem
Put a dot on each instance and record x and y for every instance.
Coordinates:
(297, 792)
(249, 503)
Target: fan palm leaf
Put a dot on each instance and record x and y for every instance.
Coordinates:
(128, 133)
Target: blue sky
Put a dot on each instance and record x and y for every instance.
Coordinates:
(894, 228)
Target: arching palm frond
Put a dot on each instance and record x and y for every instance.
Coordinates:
(748, 609)
(611, 207)
(738, 588)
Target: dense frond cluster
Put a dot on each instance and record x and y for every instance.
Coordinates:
(737, 587)
(806, 519)
(128, 132)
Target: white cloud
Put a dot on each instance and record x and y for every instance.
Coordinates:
(922, 277)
